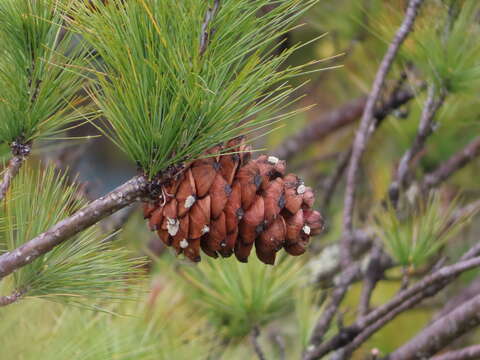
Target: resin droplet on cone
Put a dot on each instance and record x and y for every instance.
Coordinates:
(226, 204)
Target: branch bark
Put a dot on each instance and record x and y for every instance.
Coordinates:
(362, 135)
(323, 324)
(441, 333)
(354, 335)
(425, 129)
(89, 215)
(256, 346)
(10, 299)
(468, 353)
(20, 153)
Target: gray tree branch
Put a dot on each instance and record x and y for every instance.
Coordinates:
(434, 101)
(468, 353)
(453, 164)
(362, 134)
(441, 333)
(89, 215)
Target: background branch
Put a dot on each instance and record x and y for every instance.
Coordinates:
(455, 163)
(441, 333)
(468, 353)
(362, 135)
(425, 129)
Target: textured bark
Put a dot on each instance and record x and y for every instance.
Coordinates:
(441, 333)
(468, 353)
(10, 299)
(81, 220)
(11, 171)
(363, 133)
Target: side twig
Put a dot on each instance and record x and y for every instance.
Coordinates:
(20, 153)
(207, 34)
(89, 215)
(323, 324)
(362, 135)
(337, 119)
(425, 129)
(374, 273)
(10, 299)
(256, 346)
(453, 164)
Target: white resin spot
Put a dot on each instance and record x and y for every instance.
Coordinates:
(306, 229)
(205, 229)
(184, 244)
(273, 160)
(301, 189)
(172, 226)
(189, 202)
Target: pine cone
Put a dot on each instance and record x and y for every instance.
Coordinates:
(225, 204)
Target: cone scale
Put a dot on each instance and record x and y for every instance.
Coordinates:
(229, 204)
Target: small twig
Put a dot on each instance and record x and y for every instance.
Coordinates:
(89, 215)
(279, 342)
(453, 164)
(405, 279)
(425, 129)
(20, 153)
(362, 135)
(256, 346)
(468, 353)
(337, 119)
(323, 324)
(10, 299)
(206, 34)
(332, 181)
(373, 274)
(362, 244)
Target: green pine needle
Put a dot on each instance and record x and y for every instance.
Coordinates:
(84, 268)
(40, 71)
(413, 239)
(164, 102)
(449, 53)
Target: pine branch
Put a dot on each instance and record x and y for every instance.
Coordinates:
(362, 135)
(441, 333)
(366, 326)
(89, 215)
(453, 164)
(425, 129)
(20, 153)
(468, 353)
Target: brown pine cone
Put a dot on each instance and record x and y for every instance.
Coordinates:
(225, 204)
